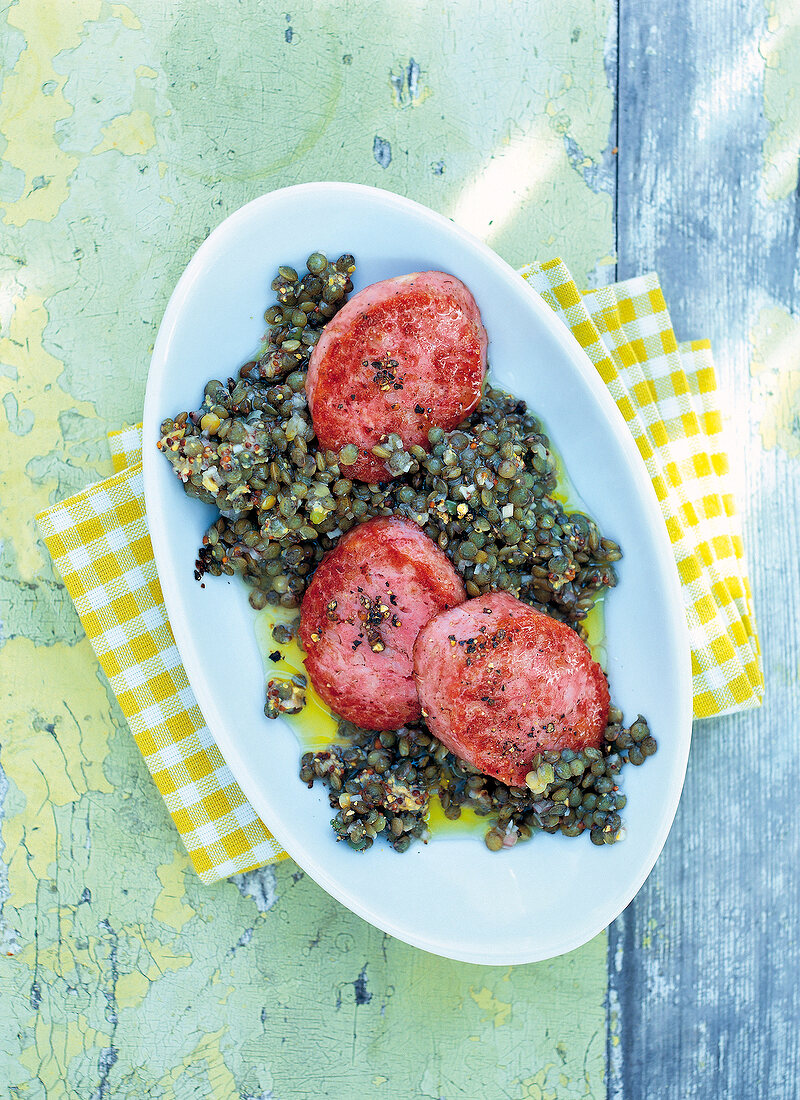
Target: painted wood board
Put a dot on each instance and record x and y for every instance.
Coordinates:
(129, 133)
(704, 994)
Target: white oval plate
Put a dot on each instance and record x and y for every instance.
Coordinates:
(452, 897)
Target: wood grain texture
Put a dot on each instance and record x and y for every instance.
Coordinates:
(704, 994)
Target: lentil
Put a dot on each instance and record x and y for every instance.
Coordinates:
(398, 776)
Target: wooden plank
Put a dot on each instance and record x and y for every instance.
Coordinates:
(704, 994)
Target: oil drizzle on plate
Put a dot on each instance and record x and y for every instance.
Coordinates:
(315, 727)
(469, 823)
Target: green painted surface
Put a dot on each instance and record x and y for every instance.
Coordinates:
(127, 134)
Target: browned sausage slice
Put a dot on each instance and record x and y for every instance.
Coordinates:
(499, 682)
(361, 615)
(402, 356)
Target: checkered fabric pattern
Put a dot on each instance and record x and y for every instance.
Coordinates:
(126, 447)
(666, 393)
(101, 547)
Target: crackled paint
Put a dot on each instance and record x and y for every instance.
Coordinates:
(129, 131)
(780, 48)
(55, 435)
(775, 366)
(128, 134)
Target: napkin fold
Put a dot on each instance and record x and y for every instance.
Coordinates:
(667, 393)
(665, 390)
(100, 545)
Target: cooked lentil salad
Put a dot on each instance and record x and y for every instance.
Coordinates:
(485, 493)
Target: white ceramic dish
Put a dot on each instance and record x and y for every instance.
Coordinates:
(452, 897)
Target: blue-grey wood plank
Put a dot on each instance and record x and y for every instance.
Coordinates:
(704, 965)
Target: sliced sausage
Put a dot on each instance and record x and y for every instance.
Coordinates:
(402, 356)
(499, 682)
(361, 615)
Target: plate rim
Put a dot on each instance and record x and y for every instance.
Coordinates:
(179, 619)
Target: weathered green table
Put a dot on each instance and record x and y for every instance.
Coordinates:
(621, 137)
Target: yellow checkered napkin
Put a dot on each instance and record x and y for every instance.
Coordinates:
(666, 392)
(101, 547)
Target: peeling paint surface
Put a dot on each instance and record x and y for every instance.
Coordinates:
(128, 132)
(780, 48)
(775, 366)
(621, 137)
